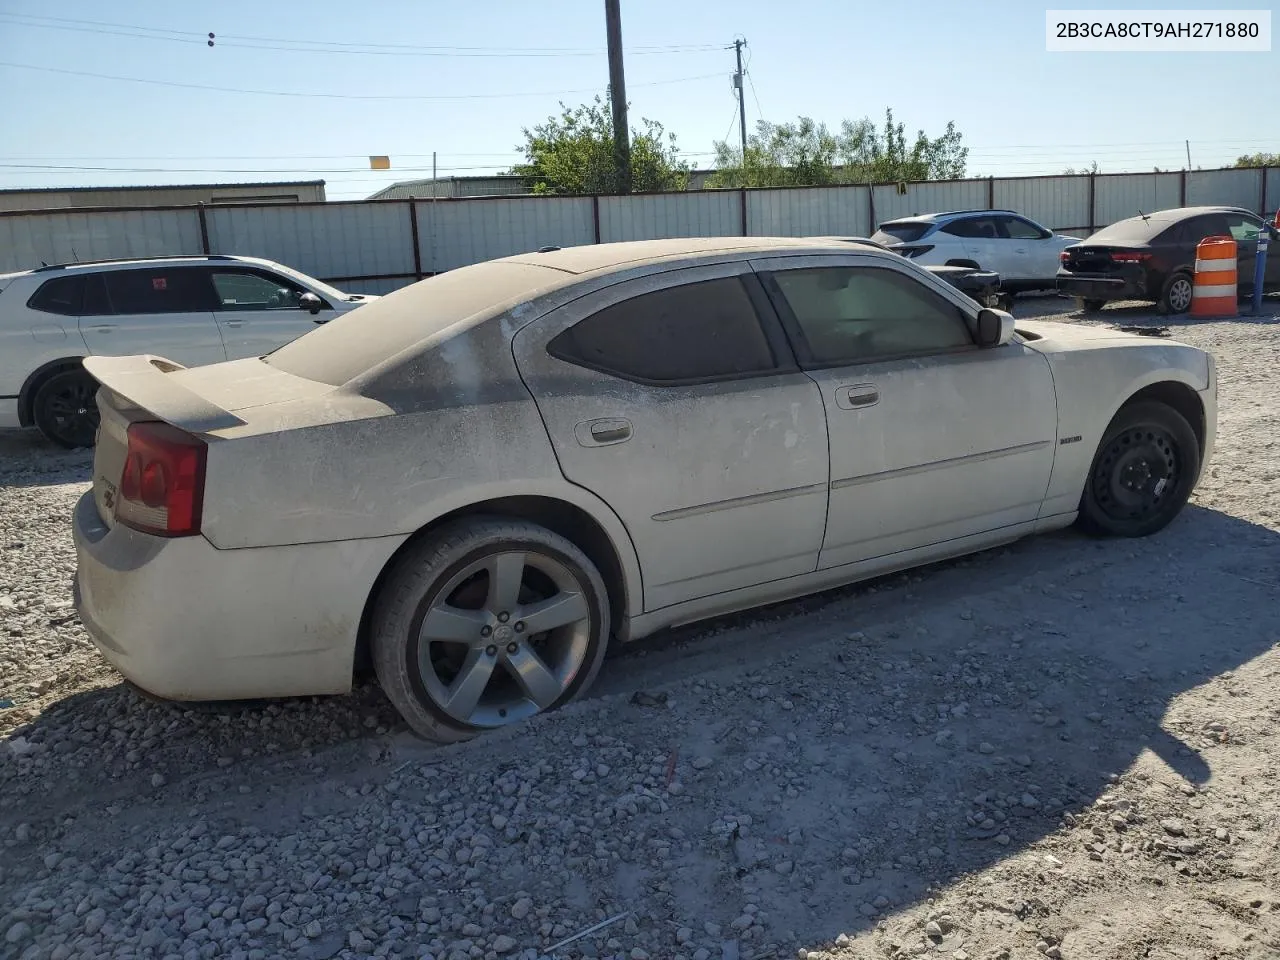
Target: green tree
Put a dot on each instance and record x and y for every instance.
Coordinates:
(1259, 160)
(807, 153)
(572, 154)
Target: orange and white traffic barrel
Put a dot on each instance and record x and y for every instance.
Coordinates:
(1214, 291)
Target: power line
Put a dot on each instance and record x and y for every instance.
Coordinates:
(334, 96)
(296, 45)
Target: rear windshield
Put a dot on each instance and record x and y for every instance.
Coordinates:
(1135, 230)
(358, 341)
(900, 232)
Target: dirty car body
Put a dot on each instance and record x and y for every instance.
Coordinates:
(488, 475)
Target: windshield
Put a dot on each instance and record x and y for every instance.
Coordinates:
(319, 286)
(890, 233)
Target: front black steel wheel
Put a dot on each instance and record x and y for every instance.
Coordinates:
(66, 410)
(1143, 473)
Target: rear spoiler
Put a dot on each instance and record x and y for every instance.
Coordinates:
(144, 381)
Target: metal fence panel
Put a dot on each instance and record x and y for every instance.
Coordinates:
(329, 241)
(62, 237)
(808, 212)
(929, 198)
(380, 286)
(1236, 188)
(1059, 203)
(1120, 196)
(454, 233)
(713, 213)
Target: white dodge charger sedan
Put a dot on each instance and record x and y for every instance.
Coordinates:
(482, 479)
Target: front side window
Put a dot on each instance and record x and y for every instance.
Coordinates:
(160, 290)
(694, 332)
(1243, 229)
(1019, 229)
(252, 290)
(864, 314)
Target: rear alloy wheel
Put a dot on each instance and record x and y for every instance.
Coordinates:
(1143, 472)
(486, 623)
(66, 410)
(1090, 305)
(1175, 297)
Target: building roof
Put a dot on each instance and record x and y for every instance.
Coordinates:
(167, 186)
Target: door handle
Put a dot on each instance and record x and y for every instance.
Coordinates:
(857, 396)
(103, 327)
(233, 323)
(602, 433)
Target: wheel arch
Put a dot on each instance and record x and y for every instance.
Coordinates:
(598, 533)
(27, 395)
(963, 262)
(1180, 397)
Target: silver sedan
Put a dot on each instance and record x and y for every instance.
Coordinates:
(480, 481)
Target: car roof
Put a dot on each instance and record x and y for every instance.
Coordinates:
(608, 257)
(1179, 213)
(92, 266)
(946, 215)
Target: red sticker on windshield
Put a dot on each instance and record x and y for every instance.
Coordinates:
(159, 283)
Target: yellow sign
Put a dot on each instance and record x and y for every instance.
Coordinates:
(379, 163)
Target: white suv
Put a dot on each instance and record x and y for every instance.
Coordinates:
(1024, 253)
(193, 310)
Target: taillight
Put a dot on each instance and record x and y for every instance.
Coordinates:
(1125, 256)
(1064, 257)
(915, 251)
(162, 486)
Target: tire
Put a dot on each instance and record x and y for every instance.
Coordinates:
(1090, 305)
(1175, 295)
(449, 575)
(1127, 492)
(65, 409)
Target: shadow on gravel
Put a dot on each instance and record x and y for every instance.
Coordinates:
(42, 463)
(862, 747)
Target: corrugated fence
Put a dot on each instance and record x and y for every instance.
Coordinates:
(375, 246)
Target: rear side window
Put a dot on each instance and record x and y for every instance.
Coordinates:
(977, 228)
(61, 295)
(900, 232)
(160, 290)
(695, 332)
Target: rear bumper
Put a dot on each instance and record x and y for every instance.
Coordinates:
(184, 620)
(1103, 288)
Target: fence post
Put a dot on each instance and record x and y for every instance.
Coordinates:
(742, 208)
(1093, 201)
(595, 214)
(413, 230)
(871, 209)
(204, 228)
(991, 193)
(1182, 189)
(1263, 202)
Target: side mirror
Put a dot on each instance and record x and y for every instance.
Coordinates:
(995, 327)
(311, 303)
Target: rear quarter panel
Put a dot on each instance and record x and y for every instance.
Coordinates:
(1093, 380)
(29, 339)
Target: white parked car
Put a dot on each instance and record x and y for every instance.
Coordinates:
(488, 475)
(194, 310)
(1024, 253)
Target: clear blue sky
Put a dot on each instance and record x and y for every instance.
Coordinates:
(982, 64)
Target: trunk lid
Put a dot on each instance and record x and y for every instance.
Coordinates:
(218, 402)
(1098, 260)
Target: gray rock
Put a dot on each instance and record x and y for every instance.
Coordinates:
(18, 932)
(503, 944)
(1174, 827)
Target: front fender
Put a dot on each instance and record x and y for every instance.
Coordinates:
(1092, 385)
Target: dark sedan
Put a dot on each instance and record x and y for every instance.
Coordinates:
(1152, 257)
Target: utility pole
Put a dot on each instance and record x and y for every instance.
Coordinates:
(1188, 154)
(618, 94)
(742, 103)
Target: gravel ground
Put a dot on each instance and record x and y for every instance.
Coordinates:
(1061, 749)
